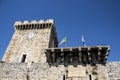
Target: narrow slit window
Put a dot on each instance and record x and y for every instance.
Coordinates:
(23, 58)
(90, 78)
(63, 77)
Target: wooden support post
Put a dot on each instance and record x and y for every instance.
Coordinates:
(71, 59)
(89, 56)
(99, 55)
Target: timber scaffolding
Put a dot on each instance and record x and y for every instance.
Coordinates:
(77, 55)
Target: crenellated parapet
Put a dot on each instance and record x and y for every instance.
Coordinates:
(34, 24)
(78, 55)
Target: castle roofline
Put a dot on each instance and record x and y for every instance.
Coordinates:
(85, 47)
(33, 24)
(87, 54)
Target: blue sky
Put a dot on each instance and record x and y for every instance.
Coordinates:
(97, 20)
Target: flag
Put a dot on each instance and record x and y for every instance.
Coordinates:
(83, 41)
(63, 41)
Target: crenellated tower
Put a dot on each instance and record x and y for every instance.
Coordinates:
(33, 54)
(29, 41)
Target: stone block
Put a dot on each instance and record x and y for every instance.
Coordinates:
(76, 72)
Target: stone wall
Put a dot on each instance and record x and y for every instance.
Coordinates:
(30, 71)
(13, 71)
(42, 71)
(33, 48)
(30, 40)
(113, 70)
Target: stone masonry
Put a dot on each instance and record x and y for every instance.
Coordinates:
(29, 41)
(42, 71)
(113, 70)
(33, 54)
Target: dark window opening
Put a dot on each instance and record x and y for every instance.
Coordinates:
(90, 78)
(23, 58)
(63, 77)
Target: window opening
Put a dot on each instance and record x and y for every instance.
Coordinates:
(23, 58)
(90, 77)
(63, 77)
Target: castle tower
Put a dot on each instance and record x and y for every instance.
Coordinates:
(33, 54)
(30, 40)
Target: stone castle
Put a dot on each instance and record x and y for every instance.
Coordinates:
(33, 54)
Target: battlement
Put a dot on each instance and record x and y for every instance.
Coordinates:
(78, 55)
(34, 24)
(33, 54)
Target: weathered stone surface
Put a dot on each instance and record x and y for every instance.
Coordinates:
(25, 57)
(32, 48)
(37, 71)
(30, 40)
(42, 71)
(113, 70)
(76, 71)
(12, 71)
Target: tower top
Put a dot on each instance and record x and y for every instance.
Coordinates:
(33, 24)
(29, 41)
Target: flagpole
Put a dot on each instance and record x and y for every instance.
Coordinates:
(84, 44)
(83, 41)
(65, 44)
